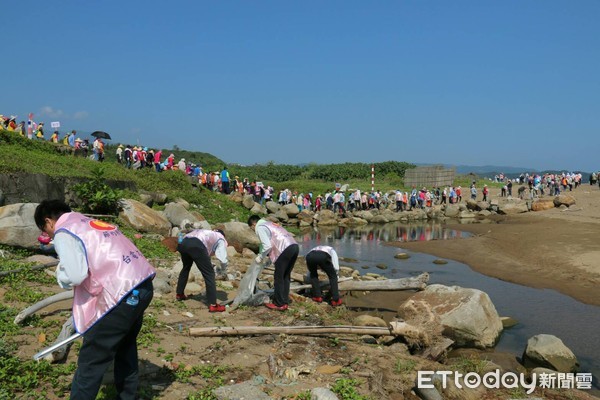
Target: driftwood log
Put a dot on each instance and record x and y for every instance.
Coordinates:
(395, 328)
(416, 283)
(323, 284)
(42, 304)
(33, 268)
(348, 284)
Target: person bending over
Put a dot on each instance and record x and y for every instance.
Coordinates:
(112, 285)
(279, 246)
(197, 247)
(326, 258)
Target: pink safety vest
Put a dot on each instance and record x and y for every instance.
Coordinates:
(210, 239)
(327, 249)
(115, 268)
(280, 239)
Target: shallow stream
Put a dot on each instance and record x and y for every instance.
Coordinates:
(536, 310)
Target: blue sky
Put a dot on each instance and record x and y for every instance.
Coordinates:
(458, 82)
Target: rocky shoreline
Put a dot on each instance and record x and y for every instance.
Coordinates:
(455, 319)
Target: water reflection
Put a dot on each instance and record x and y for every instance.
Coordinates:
(391, 232)
(537, 310)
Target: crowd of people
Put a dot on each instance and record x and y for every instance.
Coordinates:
(36, 131)
(112, 283)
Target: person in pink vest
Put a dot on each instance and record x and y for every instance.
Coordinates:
(278, 246)
(326, 258)
(196, 247)
(112, 284)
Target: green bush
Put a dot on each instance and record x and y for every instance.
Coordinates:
(96, 196)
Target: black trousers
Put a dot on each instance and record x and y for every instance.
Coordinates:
(193, 251)
(113, 337)
(321, 259)
(283, 271)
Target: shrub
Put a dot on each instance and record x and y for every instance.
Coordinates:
(96, 196)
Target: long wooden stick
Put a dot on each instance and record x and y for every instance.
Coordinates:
(33, 268)
(416, 283)
(324, 283)
(290, 330)
(41, 304)
(394, 329)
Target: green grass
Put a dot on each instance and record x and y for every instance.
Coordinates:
(31, 379)
(346, 389)
(19, 154)
(468, 364)
(403, 366)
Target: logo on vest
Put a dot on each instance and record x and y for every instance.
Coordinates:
(101, 225)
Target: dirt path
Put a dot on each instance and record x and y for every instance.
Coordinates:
(552, 249)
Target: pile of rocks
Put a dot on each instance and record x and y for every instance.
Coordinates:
(289, 214)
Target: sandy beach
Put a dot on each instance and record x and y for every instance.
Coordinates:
(554, 249)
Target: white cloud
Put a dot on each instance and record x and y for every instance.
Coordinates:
(81, 115)
(51, 112)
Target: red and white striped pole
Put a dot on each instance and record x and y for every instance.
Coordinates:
(372, 177)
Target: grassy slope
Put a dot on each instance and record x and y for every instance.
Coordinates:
(19, 154)
(22, 155)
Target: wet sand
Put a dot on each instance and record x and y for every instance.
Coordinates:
(553, 249)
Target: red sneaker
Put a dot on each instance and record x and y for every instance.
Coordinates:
(336, 303)
(216, 308)
(181, 297)
(275, 307)
(317, 299)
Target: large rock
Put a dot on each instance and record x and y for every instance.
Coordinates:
(291, 210)
(158, 198)
(391, 215)
(369, 320)
(142, 218)
(366, 215)
(451, 211)
(564, 199)
(352, 221)
(258, 209)
(272, 207)
(146, 199)
(281, 215)
(306, 216)
(326, 217)
(248, 201)
(548, 351)
(542, 204)
(379, 219)
(17, 226)
(240, 236)
(176, 213)
(472, 205)
(183, 202)
(514, 207)
(466, 214)
(236, 197)
(468, 316)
